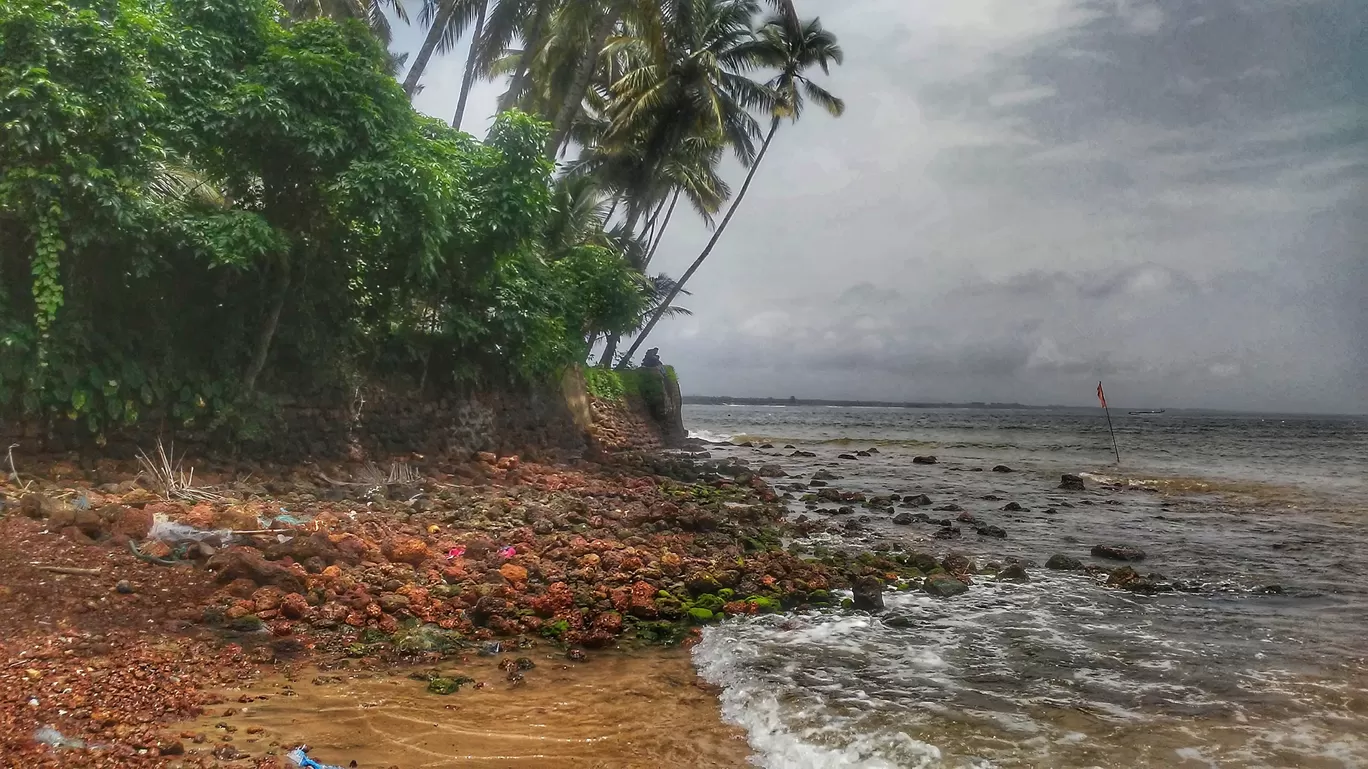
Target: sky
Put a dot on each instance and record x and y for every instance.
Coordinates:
(1024, 198)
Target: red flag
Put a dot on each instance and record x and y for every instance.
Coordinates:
(1101, 396)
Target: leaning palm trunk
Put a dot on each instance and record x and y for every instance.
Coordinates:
(434, 36)
(660, 234)
(609, 350)
(518, 86)
(717, 235)
(574, 99)
(468, 81)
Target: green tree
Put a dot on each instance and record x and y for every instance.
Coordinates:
(688, 84)
(370, 12)
(200, 205)
(793, 55)
(446, 22)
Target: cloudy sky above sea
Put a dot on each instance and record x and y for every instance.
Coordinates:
(1027, 196)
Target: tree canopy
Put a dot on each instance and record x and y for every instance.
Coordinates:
(202, 203)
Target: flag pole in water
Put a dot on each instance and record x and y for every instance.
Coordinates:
(1102, 397)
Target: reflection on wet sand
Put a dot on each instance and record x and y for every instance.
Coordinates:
(617, 710)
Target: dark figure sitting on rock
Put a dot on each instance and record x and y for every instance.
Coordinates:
(652, 359)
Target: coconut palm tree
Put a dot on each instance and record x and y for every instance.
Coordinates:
(372, 12)
(446, 22)
(793, 55)
(687, 84)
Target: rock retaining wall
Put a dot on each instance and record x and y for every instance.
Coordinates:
(382, 421)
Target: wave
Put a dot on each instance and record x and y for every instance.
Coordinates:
(1186, 486)
(710, 436)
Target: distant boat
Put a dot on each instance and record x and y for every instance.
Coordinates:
(1139, 413)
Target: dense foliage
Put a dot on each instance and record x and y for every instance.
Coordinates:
(201, 204)
(652, 94)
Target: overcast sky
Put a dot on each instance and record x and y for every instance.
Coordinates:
(1026, 196)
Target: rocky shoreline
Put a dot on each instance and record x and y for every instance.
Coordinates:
(115, 582)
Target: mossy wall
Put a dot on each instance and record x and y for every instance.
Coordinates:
(634, 409)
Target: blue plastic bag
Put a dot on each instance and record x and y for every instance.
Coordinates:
(301, 759)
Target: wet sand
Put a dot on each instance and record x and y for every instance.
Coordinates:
(619, 709)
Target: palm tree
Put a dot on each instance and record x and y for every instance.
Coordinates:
(446, 21)
(687, 84)
(472, 58)
(526, 20)
(372, 12)
(793, 55)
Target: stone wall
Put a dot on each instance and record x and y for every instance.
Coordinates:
(382, 421)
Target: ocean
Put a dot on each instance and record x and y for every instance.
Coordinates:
(1262, 663)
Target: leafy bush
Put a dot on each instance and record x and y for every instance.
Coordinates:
(200, 204)
(604, 384)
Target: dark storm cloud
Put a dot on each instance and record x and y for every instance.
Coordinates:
(1026, 197)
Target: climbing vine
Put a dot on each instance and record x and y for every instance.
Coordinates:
(201, 206)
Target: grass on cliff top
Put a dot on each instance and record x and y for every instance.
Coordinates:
(609, 385)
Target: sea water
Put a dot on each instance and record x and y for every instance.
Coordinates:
(1063, 671)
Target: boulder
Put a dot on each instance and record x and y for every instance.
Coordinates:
(868, 594)
(957, 563)
(944, 586)
(924, 562)
(950, 508)
(90, 523)
(927, 460)
(1062, 562)
(35, 505)
(771, 471)
(248, 563)
(1014, 573)
(997, 532)
(1013, 507)
(1128, 578)
(1071, 482)
(904, 519)
(1002, 469)
(1118, 552)
(845, 456)
(920, 500)
(947, 532)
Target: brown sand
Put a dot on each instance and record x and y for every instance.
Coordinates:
(620, 709)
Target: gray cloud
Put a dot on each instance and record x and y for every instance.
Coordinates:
(1025, 198)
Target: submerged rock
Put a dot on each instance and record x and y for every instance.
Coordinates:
(1002, 469)
(904, 519)
(919, 500)
(1062, 562)
(947, 532)
(926, 460)
(1013, 507)
(1128, 578)
(996, 532)
(825, 475)
(771, 471)
(1071, 482)
(944, 586)
(1118, 552)
(1014, 573)
(868, 594)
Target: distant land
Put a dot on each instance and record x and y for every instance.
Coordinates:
(728, 400)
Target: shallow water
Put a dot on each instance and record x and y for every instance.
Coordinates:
(1063, 672)
(645, 709)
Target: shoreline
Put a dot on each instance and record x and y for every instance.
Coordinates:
(127, 608)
